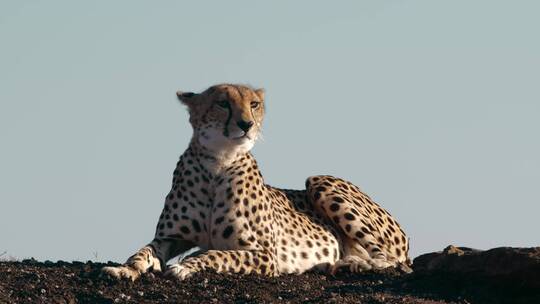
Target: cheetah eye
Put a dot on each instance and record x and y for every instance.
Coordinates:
(255, 104)
(223, 103)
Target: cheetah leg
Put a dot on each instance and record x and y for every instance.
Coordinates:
(357, 259)
(362, 249)
(151, 257)
(226, 261)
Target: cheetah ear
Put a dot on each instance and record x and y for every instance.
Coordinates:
(186, 97)
(260, 93)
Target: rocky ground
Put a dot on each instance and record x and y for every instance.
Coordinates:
(455, 275)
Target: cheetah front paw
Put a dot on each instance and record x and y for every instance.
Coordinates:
(121, 272)
(179, 272)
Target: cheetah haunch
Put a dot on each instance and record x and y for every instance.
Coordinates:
(220, 203)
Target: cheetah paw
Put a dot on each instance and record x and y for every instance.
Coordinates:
(121, 272)
(380, 263)
(179, 271)
(354, 263)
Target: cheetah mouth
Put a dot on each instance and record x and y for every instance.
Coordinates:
(242, 137)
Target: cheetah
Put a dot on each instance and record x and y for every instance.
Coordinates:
(220, 203)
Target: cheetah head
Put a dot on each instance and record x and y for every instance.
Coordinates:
(225, 116)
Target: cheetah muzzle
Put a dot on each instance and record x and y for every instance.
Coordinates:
(220, 203)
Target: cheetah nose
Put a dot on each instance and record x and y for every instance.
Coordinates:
(245, 125)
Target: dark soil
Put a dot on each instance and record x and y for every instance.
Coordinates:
(30, 281)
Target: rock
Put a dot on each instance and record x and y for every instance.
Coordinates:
(520, 266)
(498, 275)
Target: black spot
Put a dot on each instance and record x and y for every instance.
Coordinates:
(320, 189)
(185, 229)
(334, 207)
(348, 228)
(227, 232)
(304, 255)
(219, 220)
(350, 216)
(196, 225)
(359, 234)
(325, 252)
(338, 199)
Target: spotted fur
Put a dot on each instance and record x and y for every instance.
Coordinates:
(220, 203)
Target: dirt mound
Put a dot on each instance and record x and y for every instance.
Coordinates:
(499, 275)
(450, 276)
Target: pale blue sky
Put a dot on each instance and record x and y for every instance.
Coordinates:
(431, 107)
